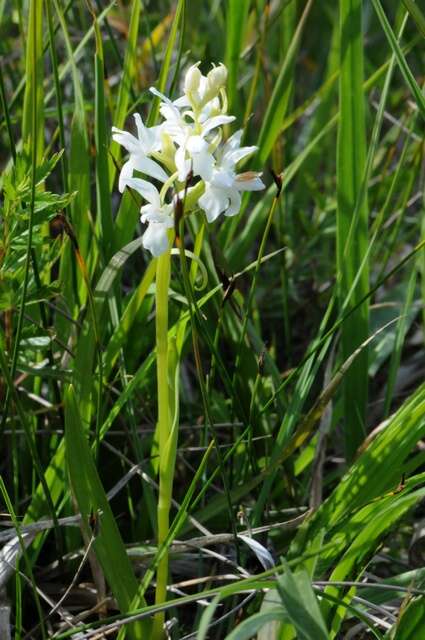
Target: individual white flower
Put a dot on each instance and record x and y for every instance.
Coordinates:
(223, 191)
(147, 142)
(158, 216)
(193, 153)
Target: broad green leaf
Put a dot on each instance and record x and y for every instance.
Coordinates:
(253, 625)
(411, 624)
(92, 501)
(301, 605)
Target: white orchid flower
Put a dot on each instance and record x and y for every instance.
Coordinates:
(158, 216)
(147, 142)
(223, 191)
(193, 153)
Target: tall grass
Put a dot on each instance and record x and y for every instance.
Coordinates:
(224, 442)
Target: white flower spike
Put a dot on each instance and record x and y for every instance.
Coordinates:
(187, 142)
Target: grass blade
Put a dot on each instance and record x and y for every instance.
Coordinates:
(351, 163)
(404, 67)
(279, 101)
(237, 13)
(104, 212)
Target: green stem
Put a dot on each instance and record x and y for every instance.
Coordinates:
(164, 426)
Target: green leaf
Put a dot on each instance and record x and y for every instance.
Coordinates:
(128, 75)
(301, 605)
(250, 627)
(404, 67)
(34, 75)
(279, 101)
(207, 618)
(352, 219)
(416, 14)
(91, 500)
(411, 624)
(104, 223)
(236, 17)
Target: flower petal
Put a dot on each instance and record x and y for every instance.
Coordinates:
(237, 154)
(249, 181)
(203, 165)
(182, 164)
(146, 189)
(126, 140)
(234, 204)
(155, 239)
(213, 202)
(149, 137)
(223, 179)
(214, 122)
(125, 174)
(149, 167)
(196, 144)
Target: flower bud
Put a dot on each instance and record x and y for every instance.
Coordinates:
(217, 78)
(192, 79)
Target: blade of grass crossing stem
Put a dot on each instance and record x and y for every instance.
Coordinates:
(279, 101)
(236, 17)
(351, 160)
(401, 60)
(416, 14)
(34, 78)
(104, 212)
(93, 503)
(128, 75)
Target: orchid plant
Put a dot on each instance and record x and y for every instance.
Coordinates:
(189, 142)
